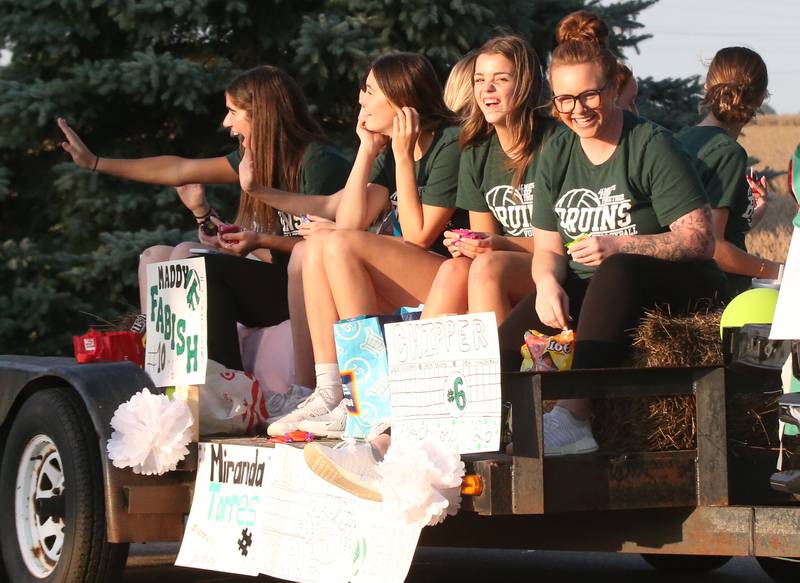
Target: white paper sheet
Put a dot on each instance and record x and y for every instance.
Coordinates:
(786, 322)
(314, 532)
(282, 520)
(176, 351)
(222, 533)
(444, 374)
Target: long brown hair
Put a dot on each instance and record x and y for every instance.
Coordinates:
(736, 85)
(281, 128)
(409, 80)
(523, 120)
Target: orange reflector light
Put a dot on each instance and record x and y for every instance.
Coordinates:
(471, 485)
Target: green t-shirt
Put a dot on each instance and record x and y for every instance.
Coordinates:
(721, 163)
(323, 170)
(648, 183)
(436, 172)
(485, 183)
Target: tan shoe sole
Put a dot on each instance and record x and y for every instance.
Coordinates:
(328, 470)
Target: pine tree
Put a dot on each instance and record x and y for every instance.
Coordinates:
(147, 78)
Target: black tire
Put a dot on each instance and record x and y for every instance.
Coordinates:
(780, 569)
(55, 423)
(685, 564)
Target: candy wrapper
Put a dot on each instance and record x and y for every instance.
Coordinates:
(542, 353)
(469, 234)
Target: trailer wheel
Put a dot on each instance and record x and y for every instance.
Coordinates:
(780, 569)
(685, 563)
(52, 506)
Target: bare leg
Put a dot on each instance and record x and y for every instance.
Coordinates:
(301, 338)
(320, 307)
(367, 272)
(498, 280)
(150, 255)
(448, 293)
(183, 250)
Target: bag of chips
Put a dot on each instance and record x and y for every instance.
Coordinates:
(542, 353)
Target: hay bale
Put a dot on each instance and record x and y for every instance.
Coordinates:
(666, 340)
(645, 423)
(752, 418)
(668, 423)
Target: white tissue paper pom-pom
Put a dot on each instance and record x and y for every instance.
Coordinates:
(150, 433)
(421, 482)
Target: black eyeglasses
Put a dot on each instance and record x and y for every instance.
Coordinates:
(589, 99)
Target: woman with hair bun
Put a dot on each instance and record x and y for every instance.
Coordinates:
(735, 88)
(621, 224)
(588, 27)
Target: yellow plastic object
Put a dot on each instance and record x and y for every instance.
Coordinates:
(755, 306)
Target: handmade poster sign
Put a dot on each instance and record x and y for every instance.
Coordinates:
(313, 532)
(444, 375)
(176, 351)
(223, 530)
(786, 322)
(361, 354)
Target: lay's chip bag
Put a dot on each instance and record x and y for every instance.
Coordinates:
(542, 353)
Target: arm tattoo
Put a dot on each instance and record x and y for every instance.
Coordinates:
(690, 237)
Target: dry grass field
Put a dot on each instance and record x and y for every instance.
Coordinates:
(772, 139)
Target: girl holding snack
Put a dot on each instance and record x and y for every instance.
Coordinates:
(501, 140)
(489, 272)
(408, 155)
(735, 87)
(626, 197)
(286, 150)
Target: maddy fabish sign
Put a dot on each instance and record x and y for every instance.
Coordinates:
(223, 528)
(444, 376)
(176, 352)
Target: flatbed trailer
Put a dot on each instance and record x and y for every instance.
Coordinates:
(689, 506)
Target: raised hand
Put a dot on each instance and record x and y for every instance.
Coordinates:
(405, 132)
(75, 147)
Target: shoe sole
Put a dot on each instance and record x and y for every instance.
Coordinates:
(320, 430)
(586, 445)
(334, 474)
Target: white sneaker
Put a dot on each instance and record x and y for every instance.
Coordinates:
(564, 434)
(313, 406)
(330, 425)
(351, 467)
(281, 404)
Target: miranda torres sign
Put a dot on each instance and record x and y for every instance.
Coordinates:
(222, 532)
(176, 351)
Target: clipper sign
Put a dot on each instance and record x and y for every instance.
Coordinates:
(176, 352)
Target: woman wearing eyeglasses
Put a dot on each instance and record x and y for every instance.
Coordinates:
(622, 193)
